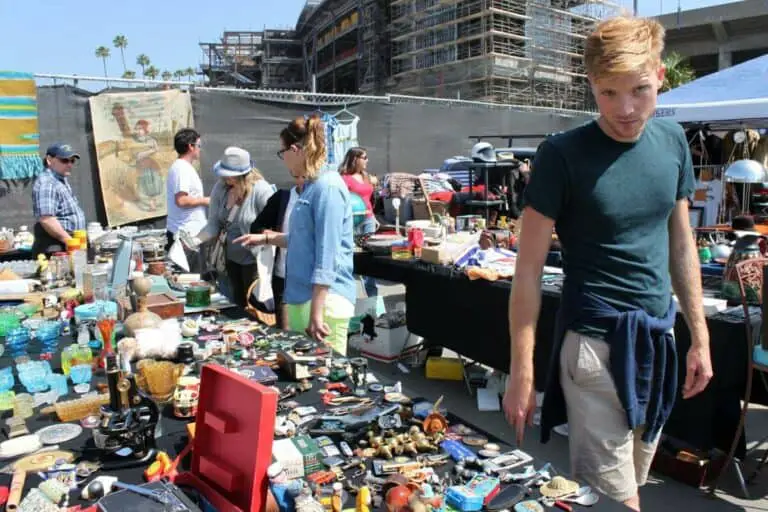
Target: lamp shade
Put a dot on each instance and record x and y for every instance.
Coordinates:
(746, 171)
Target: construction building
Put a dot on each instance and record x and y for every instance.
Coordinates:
(346, 45)
(526, 52)
(268, 59)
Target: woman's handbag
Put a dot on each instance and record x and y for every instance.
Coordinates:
(217, 252)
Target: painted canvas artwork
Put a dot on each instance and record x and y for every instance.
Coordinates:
(133, 133)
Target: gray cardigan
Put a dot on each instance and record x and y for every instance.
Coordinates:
(217, 214)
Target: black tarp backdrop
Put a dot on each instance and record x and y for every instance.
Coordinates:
(399, 137)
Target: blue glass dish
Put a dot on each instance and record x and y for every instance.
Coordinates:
(58, 383)
(17, 341)
(80, 374)
(48, 334)
(33, 377)
(6, 379)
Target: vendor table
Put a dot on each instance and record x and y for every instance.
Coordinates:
(174, 438)
(471, 318)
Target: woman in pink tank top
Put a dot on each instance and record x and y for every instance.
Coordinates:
(354, 172)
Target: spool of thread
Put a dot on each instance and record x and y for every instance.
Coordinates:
(185, 353)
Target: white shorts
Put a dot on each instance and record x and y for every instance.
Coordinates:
(605, 453)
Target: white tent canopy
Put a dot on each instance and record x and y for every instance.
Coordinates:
(731, 95)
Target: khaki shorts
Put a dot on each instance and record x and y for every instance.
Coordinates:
(604, 452)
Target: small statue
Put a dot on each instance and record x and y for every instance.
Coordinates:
(285, 491)
(337, 500)
(363, 501)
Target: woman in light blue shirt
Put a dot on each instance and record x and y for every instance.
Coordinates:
(320, 290)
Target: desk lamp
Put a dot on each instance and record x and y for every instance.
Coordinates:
(745, 172)
(396, 206)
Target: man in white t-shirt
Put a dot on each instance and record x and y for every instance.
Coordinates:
(184, 190)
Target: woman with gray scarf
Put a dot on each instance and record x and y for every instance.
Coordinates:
(241, 193)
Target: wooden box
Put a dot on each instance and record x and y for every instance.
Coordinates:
(165, 305)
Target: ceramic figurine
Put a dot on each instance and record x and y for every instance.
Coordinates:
(283, 490)
(363, 500)
(337, 500)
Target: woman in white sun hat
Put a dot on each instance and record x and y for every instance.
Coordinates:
(237, 199)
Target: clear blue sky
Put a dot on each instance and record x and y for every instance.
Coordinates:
(60, 36)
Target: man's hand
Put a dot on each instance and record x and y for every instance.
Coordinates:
(519, 401)
(698, 370)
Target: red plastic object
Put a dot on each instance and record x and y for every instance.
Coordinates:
(4, 492)
(233, 441)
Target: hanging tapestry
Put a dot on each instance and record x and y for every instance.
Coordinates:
(19, 137)
(133, 134)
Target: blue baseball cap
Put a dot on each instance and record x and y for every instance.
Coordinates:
(59, 150)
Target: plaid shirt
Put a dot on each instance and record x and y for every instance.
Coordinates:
(52, 196)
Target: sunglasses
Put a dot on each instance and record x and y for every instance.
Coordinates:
(72, 160)
(281, 153)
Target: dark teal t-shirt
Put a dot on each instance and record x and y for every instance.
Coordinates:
(611, 202)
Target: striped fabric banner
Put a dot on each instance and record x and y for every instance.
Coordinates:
(19, 133)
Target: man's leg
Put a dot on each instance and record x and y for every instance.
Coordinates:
(604, 452)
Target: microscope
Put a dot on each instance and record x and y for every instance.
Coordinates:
(128, 422)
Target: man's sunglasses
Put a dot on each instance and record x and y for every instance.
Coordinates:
(72, 160)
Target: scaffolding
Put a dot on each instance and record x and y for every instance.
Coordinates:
(254, 60)
(503, 51)
(234, 60)
(282, 60)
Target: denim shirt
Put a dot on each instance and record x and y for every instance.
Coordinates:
(320, 242)
(643, 362)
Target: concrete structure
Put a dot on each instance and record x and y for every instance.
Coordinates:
(346, 45)
(717, 37)
(269, 59)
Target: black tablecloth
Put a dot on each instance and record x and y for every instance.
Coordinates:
(471, 318)
(174, 438)
(172, 431)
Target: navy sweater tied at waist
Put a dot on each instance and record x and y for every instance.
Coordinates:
(643, 361)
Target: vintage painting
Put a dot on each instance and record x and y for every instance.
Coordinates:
(133, 133)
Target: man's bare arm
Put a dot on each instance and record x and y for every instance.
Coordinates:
(184, 200)
(53, 227)
(685, 271)
(525, 297)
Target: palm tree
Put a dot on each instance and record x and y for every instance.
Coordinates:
(166, 76)
(143, 61)
(151, 72)
(129, 74)
(179, 74)
(678, 71)
(121, 43)
(102, 52)
(191, 73)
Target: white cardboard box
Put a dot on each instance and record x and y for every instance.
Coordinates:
(388, 345)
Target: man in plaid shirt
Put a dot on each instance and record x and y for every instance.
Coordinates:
(55, 206)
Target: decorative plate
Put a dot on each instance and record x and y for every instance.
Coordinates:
(59, 433)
